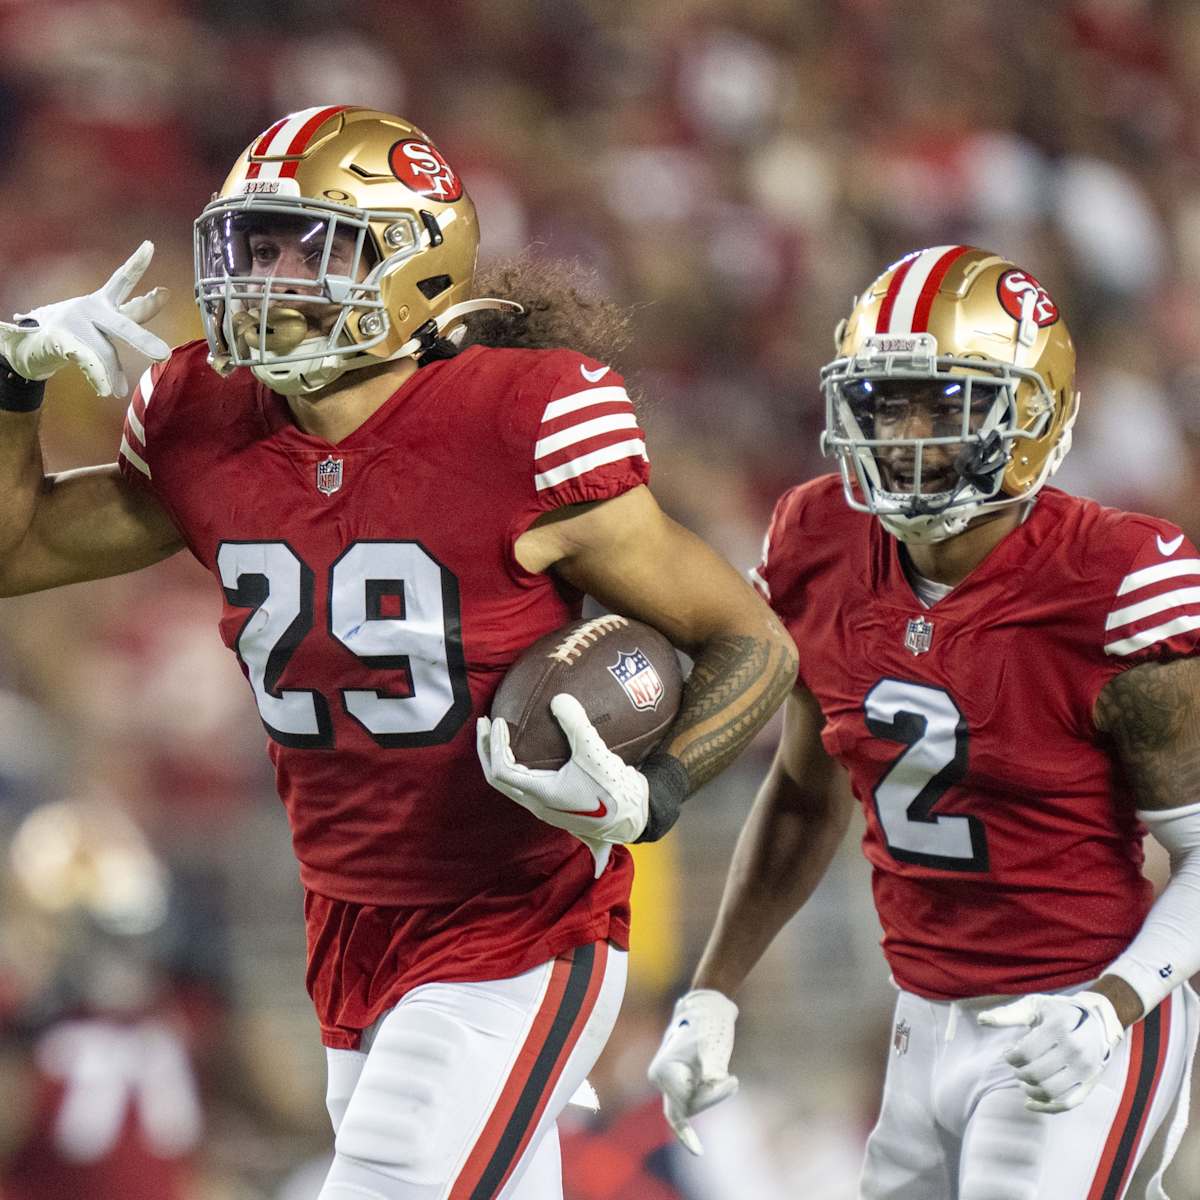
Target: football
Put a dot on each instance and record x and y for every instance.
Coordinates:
(624, 673)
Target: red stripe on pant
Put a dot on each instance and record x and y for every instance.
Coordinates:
(1147, 1052)
(570, 997)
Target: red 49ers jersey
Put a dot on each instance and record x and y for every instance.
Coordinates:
(1005, 850)
(374, 601)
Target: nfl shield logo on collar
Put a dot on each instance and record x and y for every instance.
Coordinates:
(918, 635)
(329, 475)
(638, 678)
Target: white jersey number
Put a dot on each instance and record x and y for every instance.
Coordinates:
(419, 640)
(927, 722)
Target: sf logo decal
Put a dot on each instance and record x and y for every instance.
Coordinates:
(1012, 290)
(421, 168)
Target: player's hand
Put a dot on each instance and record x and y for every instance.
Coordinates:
(81, 331)
(594, 795)
(1070, 1040)
(691, 1068)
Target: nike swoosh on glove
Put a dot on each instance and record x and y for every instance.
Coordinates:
(81, 331)
(1069, 1043)
(691, 1068)
(593, 795)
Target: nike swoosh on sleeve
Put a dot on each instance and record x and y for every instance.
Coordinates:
(592, 376)
(1168, 548)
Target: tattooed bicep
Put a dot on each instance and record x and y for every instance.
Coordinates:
(1152, 714)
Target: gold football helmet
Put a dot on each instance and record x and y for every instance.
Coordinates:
(341, 239)
(953, 392)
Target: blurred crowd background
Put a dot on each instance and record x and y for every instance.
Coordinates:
(737, 170)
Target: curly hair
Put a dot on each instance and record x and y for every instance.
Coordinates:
(563, 305)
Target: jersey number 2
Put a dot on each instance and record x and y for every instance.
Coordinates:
(391, 604)
(927, 722)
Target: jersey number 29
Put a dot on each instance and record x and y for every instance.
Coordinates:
(419, 637)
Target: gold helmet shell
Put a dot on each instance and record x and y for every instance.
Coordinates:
(969, 321)
(394, 239)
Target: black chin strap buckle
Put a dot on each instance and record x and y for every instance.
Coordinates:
(978, 463)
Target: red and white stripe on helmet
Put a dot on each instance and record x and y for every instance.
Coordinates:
(915, 282)
(288, 137)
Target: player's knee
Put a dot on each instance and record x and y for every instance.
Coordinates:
(400, 1120)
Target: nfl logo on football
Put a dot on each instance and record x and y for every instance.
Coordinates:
(918, 636)
(638, 678)
(329, 475)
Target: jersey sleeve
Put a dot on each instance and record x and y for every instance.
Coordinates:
(766, 575)
(582, 433)
(135, 454)
(1154, 611)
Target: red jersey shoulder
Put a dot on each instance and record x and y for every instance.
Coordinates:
(1144, 576)
(567, 419)
(185, 378)
(811, 532)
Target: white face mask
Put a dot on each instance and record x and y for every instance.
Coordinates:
(923, 441)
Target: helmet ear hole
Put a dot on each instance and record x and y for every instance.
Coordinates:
(435, 285)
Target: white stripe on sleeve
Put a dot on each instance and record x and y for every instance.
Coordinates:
(585, 462)
(1157, 573)
(135, 425)
(583, 431)
(134, 458)
(1160, 633)
(577, 400)
(1159, 603)
(146, 385)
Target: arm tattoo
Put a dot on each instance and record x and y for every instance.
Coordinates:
(1152, 713)
(737, 682)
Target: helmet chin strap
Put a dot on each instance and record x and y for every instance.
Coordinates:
(310, 375)
(929, 528)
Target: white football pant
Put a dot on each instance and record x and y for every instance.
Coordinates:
(456, 1092)
(953, 1124)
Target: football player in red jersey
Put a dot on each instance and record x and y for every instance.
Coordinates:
(1010, 676)
(391, 522)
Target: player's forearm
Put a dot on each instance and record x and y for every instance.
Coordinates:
(737, 682)
(781, 855)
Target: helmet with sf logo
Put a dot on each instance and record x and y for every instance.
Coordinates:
(341, 239)
(953, 392)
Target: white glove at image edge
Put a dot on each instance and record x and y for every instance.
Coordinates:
(691, 1068)
(81, 330)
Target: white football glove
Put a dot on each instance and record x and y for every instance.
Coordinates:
(81, 330)
(691, 1068)
(594, 795)
(1070, 1040)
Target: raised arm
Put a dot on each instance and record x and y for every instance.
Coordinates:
(85, 524)
(82, 524)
